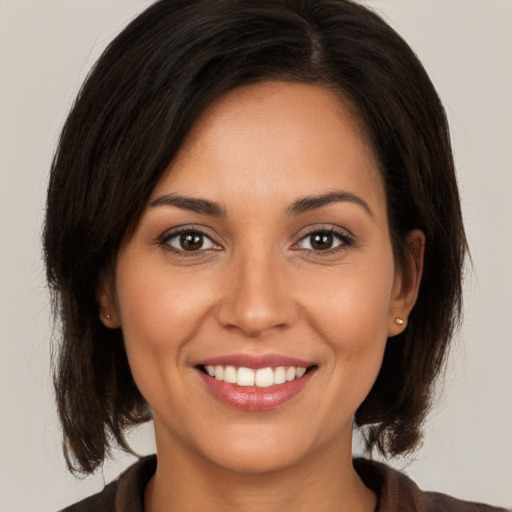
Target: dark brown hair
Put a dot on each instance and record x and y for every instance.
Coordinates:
(129, 120)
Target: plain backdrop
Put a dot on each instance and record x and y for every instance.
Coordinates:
(46, 49)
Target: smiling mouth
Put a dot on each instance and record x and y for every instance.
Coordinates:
(255, 378)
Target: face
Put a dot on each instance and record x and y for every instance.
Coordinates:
(258, 290)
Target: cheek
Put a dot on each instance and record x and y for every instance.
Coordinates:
(159, 315)
(350, 311)
(159, 311)
(355, 301)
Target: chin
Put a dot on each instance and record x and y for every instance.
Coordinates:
(251, 458)
(251, 449)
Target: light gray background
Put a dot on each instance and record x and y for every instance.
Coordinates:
(46, 49)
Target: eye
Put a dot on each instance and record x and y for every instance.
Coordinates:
(324, 240)
(188, 240)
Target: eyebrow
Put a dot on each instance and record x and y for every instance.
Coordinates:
(300, 206)
(313, 202)
(190, 203)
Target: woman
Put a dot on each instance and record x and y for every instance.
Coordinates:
(254, 237)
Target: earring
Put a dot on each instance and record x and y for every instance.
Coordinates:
(108, 316)
(399, 321)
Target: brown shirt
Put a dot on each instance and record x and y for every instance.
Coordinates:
(395, 492)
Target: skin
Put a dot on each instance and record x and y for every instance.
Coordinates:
(257, 286)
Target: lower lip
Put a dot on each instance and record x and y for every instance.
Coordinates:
(253, 398)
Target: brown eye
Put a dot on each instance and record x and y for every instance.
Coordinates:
(324, 240)
(321, 241)
(190, 241)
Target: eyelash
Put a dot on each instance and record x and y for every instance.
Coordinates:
(164, 240)
(346, 241)
(343, 236)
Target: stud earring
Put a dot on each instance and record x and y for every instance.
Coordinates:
(399, 321)
(108, 316)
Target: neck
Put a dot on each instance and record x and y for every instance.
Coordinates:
(325, 482)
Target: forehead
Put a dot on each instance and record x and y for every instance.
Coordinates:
(279, 138)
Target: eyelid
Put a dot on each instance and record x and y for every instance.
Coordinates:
(164, 238)
(343, 235)
(345, 238)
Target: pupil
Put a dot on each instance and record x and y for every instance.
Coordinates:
(191, 241)
(321, 241)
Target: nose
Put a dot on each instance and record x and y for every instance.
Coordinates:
(257, 297)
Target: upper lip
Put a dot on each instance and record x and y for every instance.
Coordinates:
(255, 362)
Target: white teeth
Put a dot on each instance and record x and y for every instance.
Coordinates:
(290, 373)
(260, 378)
(245, 377)
(264, 378)
(230, 374)
(279, 375)
(219, 373)
(300, 372)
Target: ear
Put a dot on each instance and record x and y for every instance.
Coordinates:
(407, 283)
(105, 296)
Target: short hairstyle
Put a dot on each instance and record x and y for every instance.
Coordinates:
(127, 124)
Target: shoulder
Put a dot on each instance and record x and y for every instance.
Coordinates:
(126, 494)
(442, 502)
(396, 492)
(102, 502)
